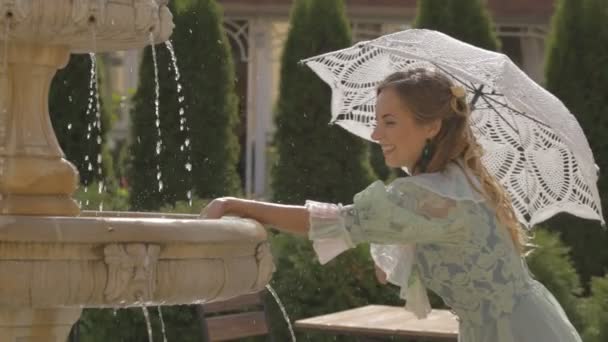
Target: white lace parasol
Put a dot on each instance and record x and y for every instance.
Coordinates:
(532, 143)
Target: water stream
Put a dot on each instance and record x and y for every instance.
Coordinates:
(276, 298)
(183, 122)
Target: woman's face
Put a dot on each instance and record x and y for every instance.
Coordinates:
(402, 139)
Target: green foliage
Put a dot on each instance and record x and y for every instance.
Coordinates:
(551, 265)
(596, 311)
(68, 102)
(184, 207)
(307, 288)
(433, 15)
(466, 20)
(210, 107)
(129, 325)
(378, 164)
(575, 50)
(110, 198)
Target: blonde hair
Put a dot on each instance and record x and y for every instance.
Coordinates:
(431, 96)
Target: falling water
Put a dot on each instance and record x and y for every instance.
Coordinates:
(183, 124)
(92, 89)
(162, 324)
(159, 142)
(148, 322)
(276, 298)
(97, 125)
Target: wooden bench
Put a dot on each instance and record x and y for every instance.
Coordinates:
(381, 321)
(234, 318)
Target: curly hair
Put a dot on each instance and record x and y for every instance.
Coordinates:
(430, 96)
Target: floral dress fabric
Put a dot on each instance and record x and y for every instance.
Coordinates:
(436, 231)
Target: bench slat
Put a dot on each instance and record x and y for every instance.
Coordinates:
(234, 326)
(236, 303)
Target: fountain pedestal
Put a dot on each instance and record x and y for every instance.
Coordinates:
(55, 260)
(34, 177)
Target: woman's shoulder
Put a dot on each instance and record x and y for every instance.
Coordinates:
(455, 183)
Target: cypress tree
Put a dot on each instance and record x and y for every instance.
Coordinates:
(320, 162)
(69, 98)
(315, 160)
(433, 15)
(209, 103)
(466, 20)
(471, 23)
(144, 166)
(575, 51)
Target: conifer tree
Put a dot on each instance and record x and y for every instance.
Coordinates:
(574, 72)
(315, 160)
(204, 137)
(320, 162)
(466, 20)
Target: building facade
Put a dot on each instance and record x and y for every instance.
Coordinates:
(257, 30)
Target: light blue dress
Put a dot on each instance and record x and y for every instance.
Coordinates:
(436, 231)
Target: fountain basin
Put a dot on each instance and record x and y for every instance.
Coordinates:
(87, 25)
(112, 260)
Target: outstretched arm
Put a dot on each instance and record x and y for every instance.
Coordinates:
(288, 218)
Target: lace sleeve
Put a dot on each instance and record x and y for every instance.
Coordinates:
(402, 213)
(405, 212)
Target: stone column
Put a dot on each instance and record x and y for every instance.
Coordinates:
(261, 63)
(35, 179)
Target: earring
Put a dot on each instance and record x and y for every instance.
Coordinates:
(426, 156)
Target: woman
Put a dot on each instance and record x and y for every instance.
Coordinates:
(450, 227)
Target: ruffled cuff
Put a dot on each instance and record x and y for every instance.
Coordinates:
(327, 230)
(398, 263)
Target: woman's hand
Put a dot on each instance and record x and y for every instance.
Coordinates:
(216, 208)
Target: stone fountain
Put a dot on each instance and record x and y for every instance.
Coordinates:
(55, 260)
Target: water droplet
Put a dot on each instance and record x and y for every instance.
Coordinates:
(158, 174)
(189, 166)
(90, 168)
(69, 126)
(187, 142)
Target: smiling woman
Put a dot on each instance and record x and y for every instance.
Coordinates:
(449, 227)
